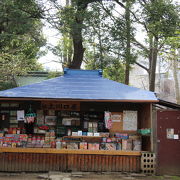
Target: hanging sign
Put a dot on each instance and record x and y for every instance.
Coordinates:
(107, 119)
(64, 106)
(116, 116)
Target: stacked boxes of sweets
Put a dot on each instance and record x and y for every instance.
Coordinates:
(108, 144)
(23, 138)
(103, 143)
(104, 134)
(35, 141)
(71, 142)
(1, 138)
(15, 130)
(1, 141)
(95, 142)
(126, 142)
(39, 142)
(52, 138)
(83, 145)
(47, 141)
(8, 139)
(13, 140)
(133, 143)
(91, 143)
(30, 141)
(129, 142)
(72, 145)
(93, 146)
(111, 144)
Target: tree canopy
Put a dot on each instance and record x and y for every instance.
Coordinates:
(20, 38)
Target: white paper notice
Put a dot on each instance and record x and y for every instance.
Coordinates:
(20, 115)
(176, 136)
(130, 120)
(170, 133)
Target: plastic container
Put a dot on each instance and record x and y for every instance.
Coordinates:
(144, 131)
(58, 145)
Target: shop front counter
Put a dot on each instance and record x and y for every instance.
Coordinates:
(67, 160)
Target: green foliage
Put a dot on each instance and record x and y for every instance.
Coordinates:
(64, 50)
(113, 68)
(18, 17)
(6, 85)
(174, 42)
(107, 40)
(162, 18)
(67, 17)
(53, 74)
(20, 38)
(97, 38)
(115, 71)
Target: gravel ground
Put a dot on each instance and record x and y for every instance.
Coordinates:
(82, 176)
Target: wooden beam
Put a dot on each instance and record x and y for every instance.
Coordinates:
(80, 100)
(69, 151)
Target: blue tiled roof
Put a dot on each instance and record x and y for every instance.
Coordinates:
(80, 84)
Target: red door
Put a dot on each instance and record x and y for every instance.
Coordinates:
(168, 142)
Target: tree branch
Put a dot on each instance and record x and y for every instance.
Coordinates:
(121, 4)
(142, 66)
(135, 17)
(161, 45)
(140, 44)
(117, 53)
(112, 17)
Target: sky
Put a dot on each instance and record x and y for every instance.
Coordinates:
(52, 36)
(47, 60)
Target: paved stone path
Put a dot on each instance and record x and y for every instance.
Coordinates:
(82, 176)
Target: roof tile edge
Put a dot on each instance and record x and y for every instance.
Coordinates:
(68, 71)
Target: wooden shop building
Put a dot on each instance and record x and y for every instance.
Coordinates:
(76, 122)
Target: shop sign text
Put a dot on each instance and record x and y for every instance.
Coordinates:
(65, 106)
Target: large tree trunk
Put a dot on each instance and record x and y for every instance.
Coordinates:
(78, 52)
(100, 49)
(176, 80)
(76, 32)
(153, 62)
(128, 42)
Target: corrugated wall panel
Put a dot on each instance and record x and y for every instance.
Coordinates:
(36, 162)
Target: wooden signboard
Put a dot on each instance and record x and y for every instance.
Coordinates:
(117, 122)
(61, 106)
